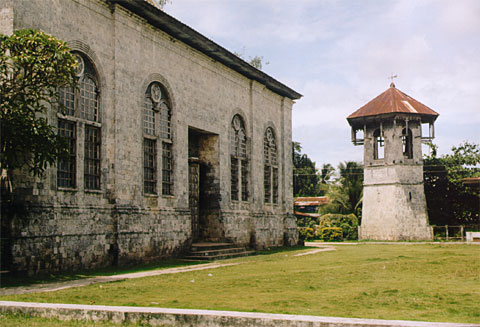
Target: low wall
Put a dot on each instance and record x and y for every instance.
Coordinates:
(46, 238)
(205, 318)
(473, 236)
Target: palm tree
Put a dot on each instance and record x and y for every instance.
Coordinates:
(346, 193)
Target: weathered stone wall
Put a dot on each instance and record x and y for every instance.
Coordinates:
(205, 318)
(78, 228)
(6, 17)
(394, 212)
(394, 205)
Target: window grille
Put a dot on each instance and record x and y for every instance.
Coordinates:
(67, 100)
(92, 158)
(244, 164)
(270, 176)
(239, 160)
(150, 166)
(148, 117)
(234, 178)
(275, 185)
(165, 121)
(82, 104)
(167, 169)
(267, 183)
(157, 126)
(66, 170)
(88, 99)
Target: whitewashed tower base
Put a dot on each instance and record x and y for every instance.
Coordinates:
(394, 205)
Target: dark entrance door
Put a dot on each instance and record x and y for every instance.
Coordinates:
(204, 185)
(194, 195)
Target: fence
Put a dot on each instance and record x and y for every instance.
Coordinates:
(449, 233)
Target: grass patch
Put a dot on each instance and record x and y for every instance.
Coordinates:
(361, 281)
(22, 280)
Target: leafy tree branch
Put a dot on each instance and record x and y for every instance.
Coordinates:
(32, 67)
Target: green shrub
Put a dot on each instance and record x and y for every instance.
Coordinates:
(331, 234)
(307, 222)
(348, 224)
(306, 233)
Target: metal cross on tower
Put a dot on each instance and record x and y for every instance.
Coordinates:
(391, 78)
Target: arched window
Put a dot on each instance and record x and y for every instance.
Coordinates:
(81, 105)
(407, 143)
(157, 121)
(270, 173)
(238, 159)
(378, 145)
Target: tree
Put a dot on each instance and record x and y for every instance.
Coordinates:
(346, 193)
(32, 67)
(449, 200)
(159, 3)
(256, 61)
(305, 176)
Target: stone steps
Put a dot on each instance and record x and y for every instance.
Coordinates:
(209, 251)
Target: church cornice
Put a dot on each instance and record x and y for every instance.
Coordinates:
(192, 38)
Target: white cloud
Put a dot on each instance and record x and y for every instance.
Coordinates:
(460, 17)
(339, 55)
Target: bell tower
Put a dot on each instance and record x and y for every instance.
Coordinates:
(390, 129)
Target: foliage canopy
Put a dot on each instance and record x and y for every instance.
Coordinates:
(449, 200)
(32, 67)
(346, 193)
(305, 176)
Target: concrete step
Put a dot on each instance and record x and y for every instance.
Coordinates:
(216, 251)
(219, 256)
(208, 251)
(204, 246)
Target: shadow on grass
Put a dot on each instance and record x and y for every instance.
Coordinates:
(15, 280)
(281, 249)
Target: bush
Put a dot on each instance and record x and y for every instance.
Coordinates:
(347, 223)
(331, 234)
(307, 222)
(306, 233)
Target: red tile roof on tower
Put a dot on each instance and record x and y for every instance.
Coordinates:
(393, 101)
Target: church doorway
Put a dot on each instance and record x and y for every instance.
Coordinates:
(204, 185)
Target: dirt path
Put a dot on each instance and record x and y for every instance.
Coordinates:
(51, 287)
(321, 248)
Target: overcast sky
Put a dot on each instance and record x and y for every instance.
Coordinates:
(340, 53)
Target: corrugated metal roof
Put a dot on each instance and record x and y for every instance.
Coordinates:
(312, 215)
(472, 180)
(393, 101)
(311, 201)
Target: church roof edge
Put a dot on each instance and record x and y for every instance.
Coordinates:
(189, 36)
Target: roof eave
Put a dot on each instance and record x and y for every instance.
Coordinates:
(187, 35)
(362, 120)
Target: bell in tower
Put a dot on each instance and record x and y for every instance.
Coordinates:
(390, 129)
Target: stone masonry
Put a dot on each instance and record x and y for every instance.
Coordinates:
(130, 45)
(394, 206)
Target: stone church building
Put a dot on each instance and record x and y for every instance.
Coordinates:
(173, 139)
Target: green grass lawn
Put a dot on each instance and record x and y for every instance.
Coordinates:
(109, 271)
(439, 282)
